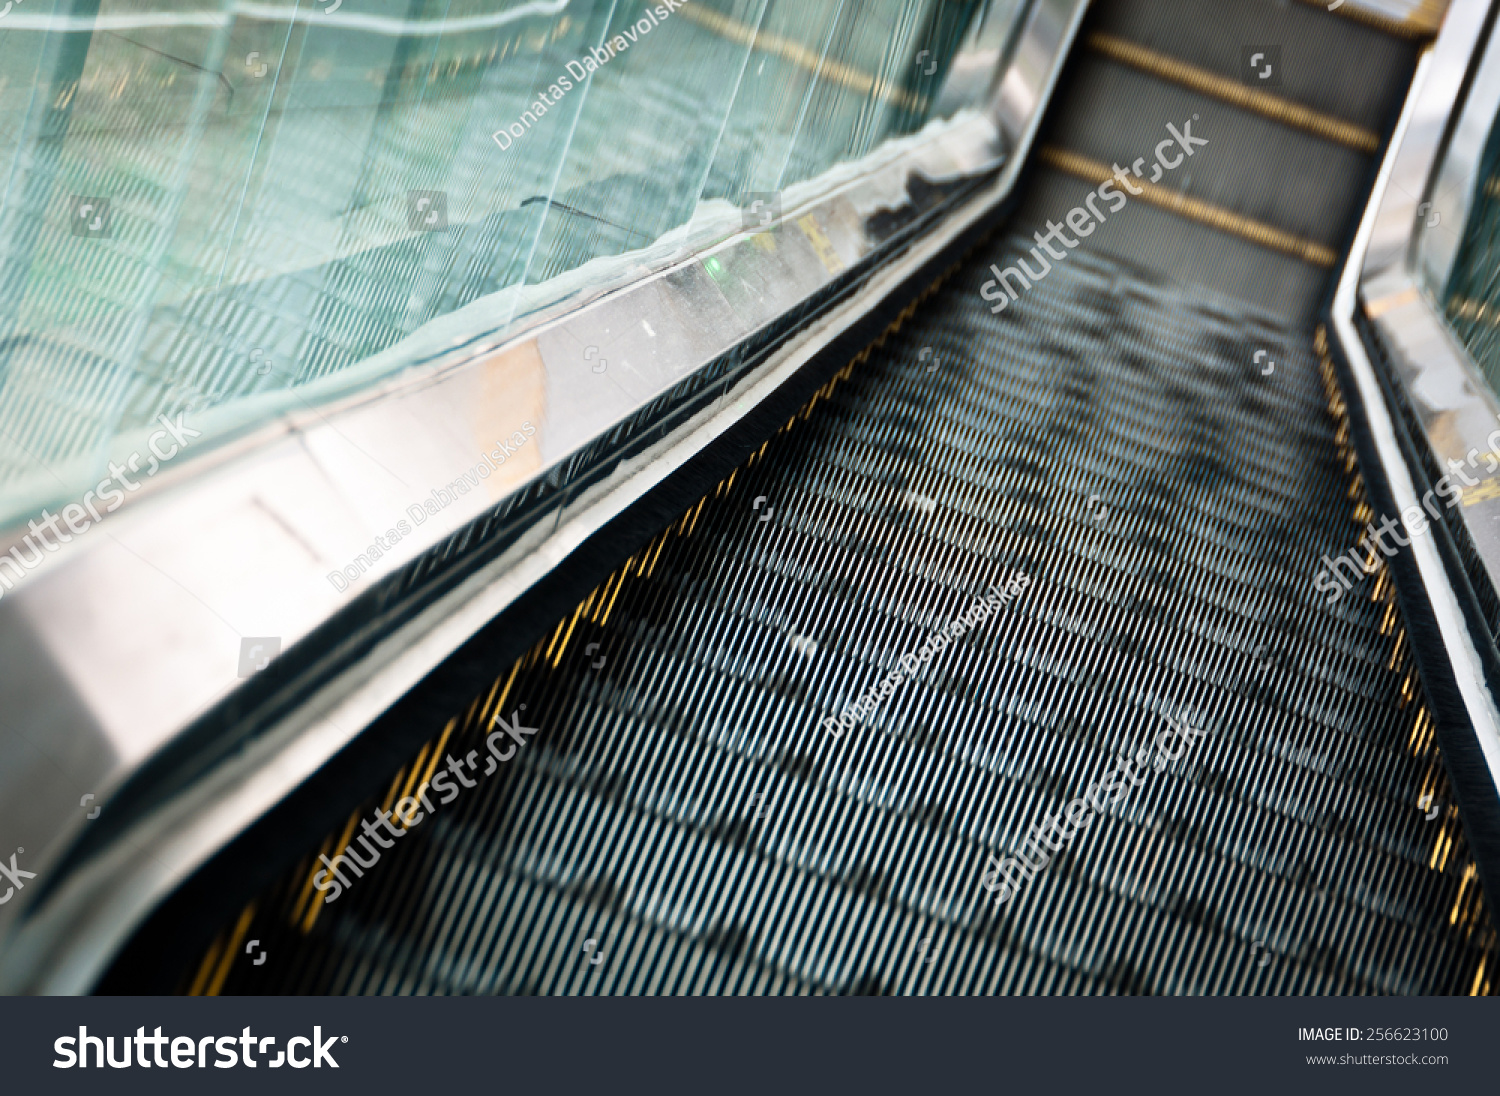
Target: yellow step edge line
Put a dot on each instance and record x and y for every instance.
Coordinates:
(567, 636)
(1396, 649)
(1441, 847)
(226, 961)
(603, 592)
(660, 548)
(556, 635)
(316, 907)
(1458, 900)
(1194, 209)
(210, 957)
(696, 512)
(509, 681)
(411, 782)
(1416, 730)
(1230, 91)
(438, 749)
(610, 607)
(299, 907)
(488, 706)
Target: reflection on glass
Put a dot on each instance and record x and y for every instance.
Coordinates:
(209, 206)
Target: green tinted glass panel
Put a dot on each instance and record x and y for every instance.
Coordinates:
(1471, 299)
(210, 208)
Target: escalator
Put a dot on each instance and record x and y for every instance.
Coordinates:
(1150, 430)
